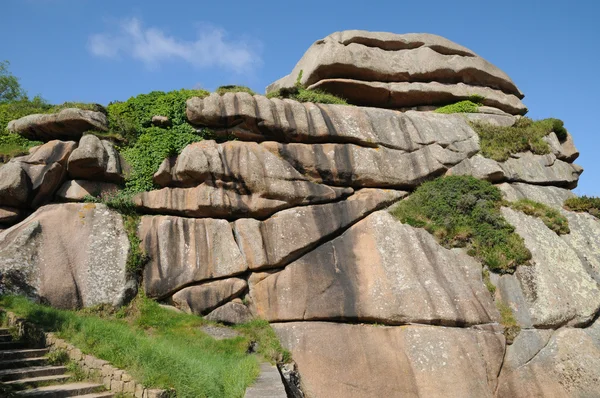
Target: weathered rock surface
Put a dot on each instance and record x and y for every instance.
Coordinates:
(548, 195)
(271, 243)
(68, 255)
(408, 361)
(496, 119)
(67, 124)
(564, 363)
(351, 63)
(557, 287)
(8, 215)
(15, 187)
(584, 239)
(541, 170)
(379, 270)
(184, 251)
(258, 118)
(479, 167)
(562, 150)
(201, 299)
(78, 190)
(95, 159)
(232, 313)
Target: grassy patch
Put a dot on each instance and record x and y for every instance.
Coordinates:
(269, 347)
(552, 218)
(584, 203)
(58, 357)
(462, 211)
(303, 95)
(485, 273)
(499, 142)
(158, 347)
(508, 320)
(12, 145)
(460, 107)
(234, 89)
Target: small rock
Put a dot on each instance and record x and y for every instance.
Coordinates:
(231, 314)
(161, 121)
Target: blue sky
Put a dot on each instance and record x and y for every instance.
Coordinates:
(99, 51)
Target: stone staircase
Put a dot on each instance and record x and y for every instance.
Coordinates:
(26, 372)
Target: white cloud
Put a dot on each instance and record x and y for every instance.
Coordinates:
(152, 46)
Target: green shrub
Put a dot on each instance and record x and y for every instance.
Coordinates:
(552, 218)
(304, 95)
(234, 89)
(460, 107)
(464, 211)
(12, 145)
(507, 319)
(485, 274)
(17, 109)
(498, 142)
(584, 203)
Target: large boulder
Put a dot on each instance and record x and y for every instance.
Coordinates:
(202, 299)
(67, 255)
(342, 360)
(379, 270)
(399, 70)
(67, 124)
(15, 187)
(272, 243)
(78, 190)
(258, 118)
(95, 159)
(184, 251)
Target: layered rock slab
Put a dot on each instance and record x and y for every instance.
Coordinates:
(406, 361)
(40, 257)
(557, 289)
(564, 363)
(271, 243)
(96, 159)
(258, 118)
(67, 124)
(201, 299)
(184, 251)
(379, 270)
(78, 190)
(354, 61)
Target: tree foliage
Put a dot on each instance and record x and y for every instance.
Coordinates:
(10, 88)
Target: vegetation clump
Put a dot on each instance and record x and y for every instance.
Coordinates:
(300, 94)
(584, 203)
(552, 218)
(467, 106)
(234, 89)
(499, 142)
(508, 320)
(158, 347)
(462, 211)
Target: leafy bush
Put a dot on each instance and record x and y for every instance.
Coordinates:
(17, 109)
(234, 89)
(584, 203)
(12, 145)
(552, 218)
(460, 107)
(498, 142)
(464, 211)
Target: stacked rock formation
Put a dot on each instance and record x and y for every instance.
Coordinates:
(290, 223)
(389, 70)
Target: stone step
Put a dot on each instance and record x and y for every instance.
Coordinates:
(63, 390)
(268, 384)
(6, 337)
(11, 345)
(34, 382)
(23, 363)
(106, 394)
(32, 371)
(23, 353)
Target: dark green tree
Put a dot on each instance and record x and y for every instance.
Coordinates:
(10, 89)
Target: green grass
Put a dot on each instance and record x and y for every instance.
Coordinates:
(234, 89)
(508, 320)
(303, 95)
(12, 145)
(499, 143)
(158, 347)
(462, 211)
(488, 282)
(584, 203)
(552, 218)
(460, 107)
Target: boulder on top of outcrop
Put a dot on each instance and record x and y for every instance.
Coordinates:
(541, 170)
(95, 159)
(563, 363)
(201, 299)
(68, 255)
(400, 70)
(379, 270)
(272, 243)
(232, 313)
(342, 360)
(557, 288)
(184, 251)
(67, 124)
(78, 190)
(562, 150)
(258, 118)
